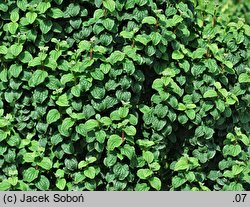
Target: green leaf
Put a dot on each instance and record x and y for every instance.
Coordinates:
(148, 156)
(56, 13)
(236, 169)
(144, 39)
(232, 150)
(61, 183)
(76, 90)
(59, 173)
(214, 175)
(3, 122)
(30, 174)
(97, 75)
(13, 180)
(15, 70)
(56, 139)
(228, 64)
(228, 174)
(126, 34)
(121, 171)
(114, 141)
(73, 9)
(3, 50)
(43, 183)
(16, 49)
(128, 151)
(31, 17)
(90, 172)
(115, 57)
(149, 20)
(66, 125)
(174, 21)
(109, 4)
(245, 139)
(156, 37)
(12, 27)
(130, 130)
(233, 186)
(4, 185)
(34, 62)
(62, 100)
(90, 125)
(142, 187)
(123, 112)
(220, 105)
(52, 116)
(181, 107)
(45, 163)
(37, 78)
(29, 157)
(14, 15)
(25, 57)
(45, 25)
(155, 183)
(190, 113)
(144, 173)
(178, 181)
(198, 53)
(42, 7)
(182, 164)
(210, 94)
(244, 78)
(198, 69)
(108, 24)
(105, 68)
(177, 55)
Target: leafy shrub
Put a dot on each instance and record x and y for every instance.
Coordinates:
(124, 95)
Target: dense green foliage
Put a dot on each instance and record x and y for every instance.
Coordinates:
(124, 95)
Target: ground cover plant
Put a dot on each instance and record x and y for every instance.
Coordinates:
(124, 95)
